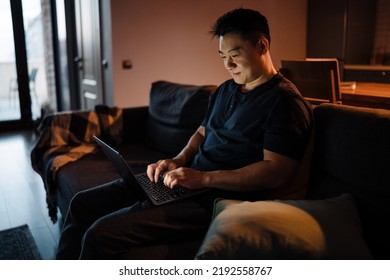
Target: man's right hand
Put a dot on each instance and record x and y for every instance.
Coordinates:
(155, 169)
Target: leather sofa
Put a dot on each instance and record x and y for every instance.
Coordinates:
(346, 208)
(343, 217)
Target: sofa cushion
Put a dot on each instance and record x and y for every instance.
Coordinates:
(352, 154)
(289, 229)
(179, 104)
(175, 112)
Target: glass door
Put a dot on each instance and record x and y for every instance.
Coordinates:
(33, 19)
(9, 94)
(27, 76)
(64, 97)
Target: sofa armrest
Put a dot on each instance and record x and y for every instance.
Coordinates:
(134, 124)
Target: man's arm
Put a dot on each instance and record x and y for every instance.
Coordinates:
(185, 156)
(189, 151)
(271, 173)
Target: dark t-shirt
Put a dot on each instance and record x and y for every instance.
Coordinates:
(273, 116)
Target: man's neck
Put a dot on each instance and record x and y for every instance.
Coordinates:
(263, 78)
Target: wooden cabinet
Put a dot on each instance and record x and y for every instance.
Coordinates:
(367, 73)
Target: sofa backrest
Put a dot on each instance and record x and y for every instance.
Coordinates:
(352, 154)
(175, 112)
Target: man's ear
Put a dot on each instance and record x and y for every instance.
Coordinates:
(262, 45)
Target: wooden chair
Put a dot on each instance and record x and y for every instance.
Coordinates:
(317, 79)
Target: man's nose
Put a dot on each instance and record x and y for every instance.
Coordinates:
(229, 63)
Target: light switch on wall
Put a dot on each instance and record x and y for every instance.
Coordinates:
(127, 64)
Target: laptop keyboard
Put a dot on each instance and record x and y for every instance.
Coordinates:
(158, 190)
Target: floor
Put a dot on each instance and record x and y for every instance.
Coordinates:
(22, 194)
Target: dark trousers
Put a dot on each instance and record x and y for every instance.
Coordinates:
(110, 222)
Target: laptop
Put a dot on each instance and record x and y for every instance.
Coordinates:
(158, 193)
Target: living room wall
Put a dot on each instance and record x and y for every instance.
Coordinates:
(169, 40)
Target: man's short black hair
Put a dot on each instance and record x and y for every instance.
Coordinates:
(251, 25)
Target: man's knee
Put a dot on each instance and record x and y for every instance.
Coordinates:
(77, 206)
(94, 243)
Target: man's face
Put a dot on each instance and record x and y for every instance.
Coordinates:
(240, 58)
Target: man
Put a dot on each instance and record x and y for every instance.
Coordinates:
(253, 144)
